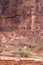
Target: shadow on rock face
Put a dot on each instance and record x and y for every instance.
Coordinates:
(3, 6)
(19, 2)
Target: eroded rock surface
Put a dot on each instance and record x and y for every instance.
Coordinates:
(20, 18)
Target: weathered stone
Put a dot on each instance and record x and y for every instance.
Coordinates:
(18, 12)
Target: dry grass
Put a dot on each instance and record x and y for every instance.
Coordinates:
(26, 53)
(39, 47)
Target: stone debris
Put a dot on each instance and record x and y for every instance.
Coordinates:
(21, 24)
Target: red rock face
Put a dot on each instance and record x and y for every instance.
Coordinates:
(18, 14)
(21, 62)
(25, 19)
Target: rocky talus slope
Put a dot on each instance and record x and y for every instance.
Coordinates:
(21, 26)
